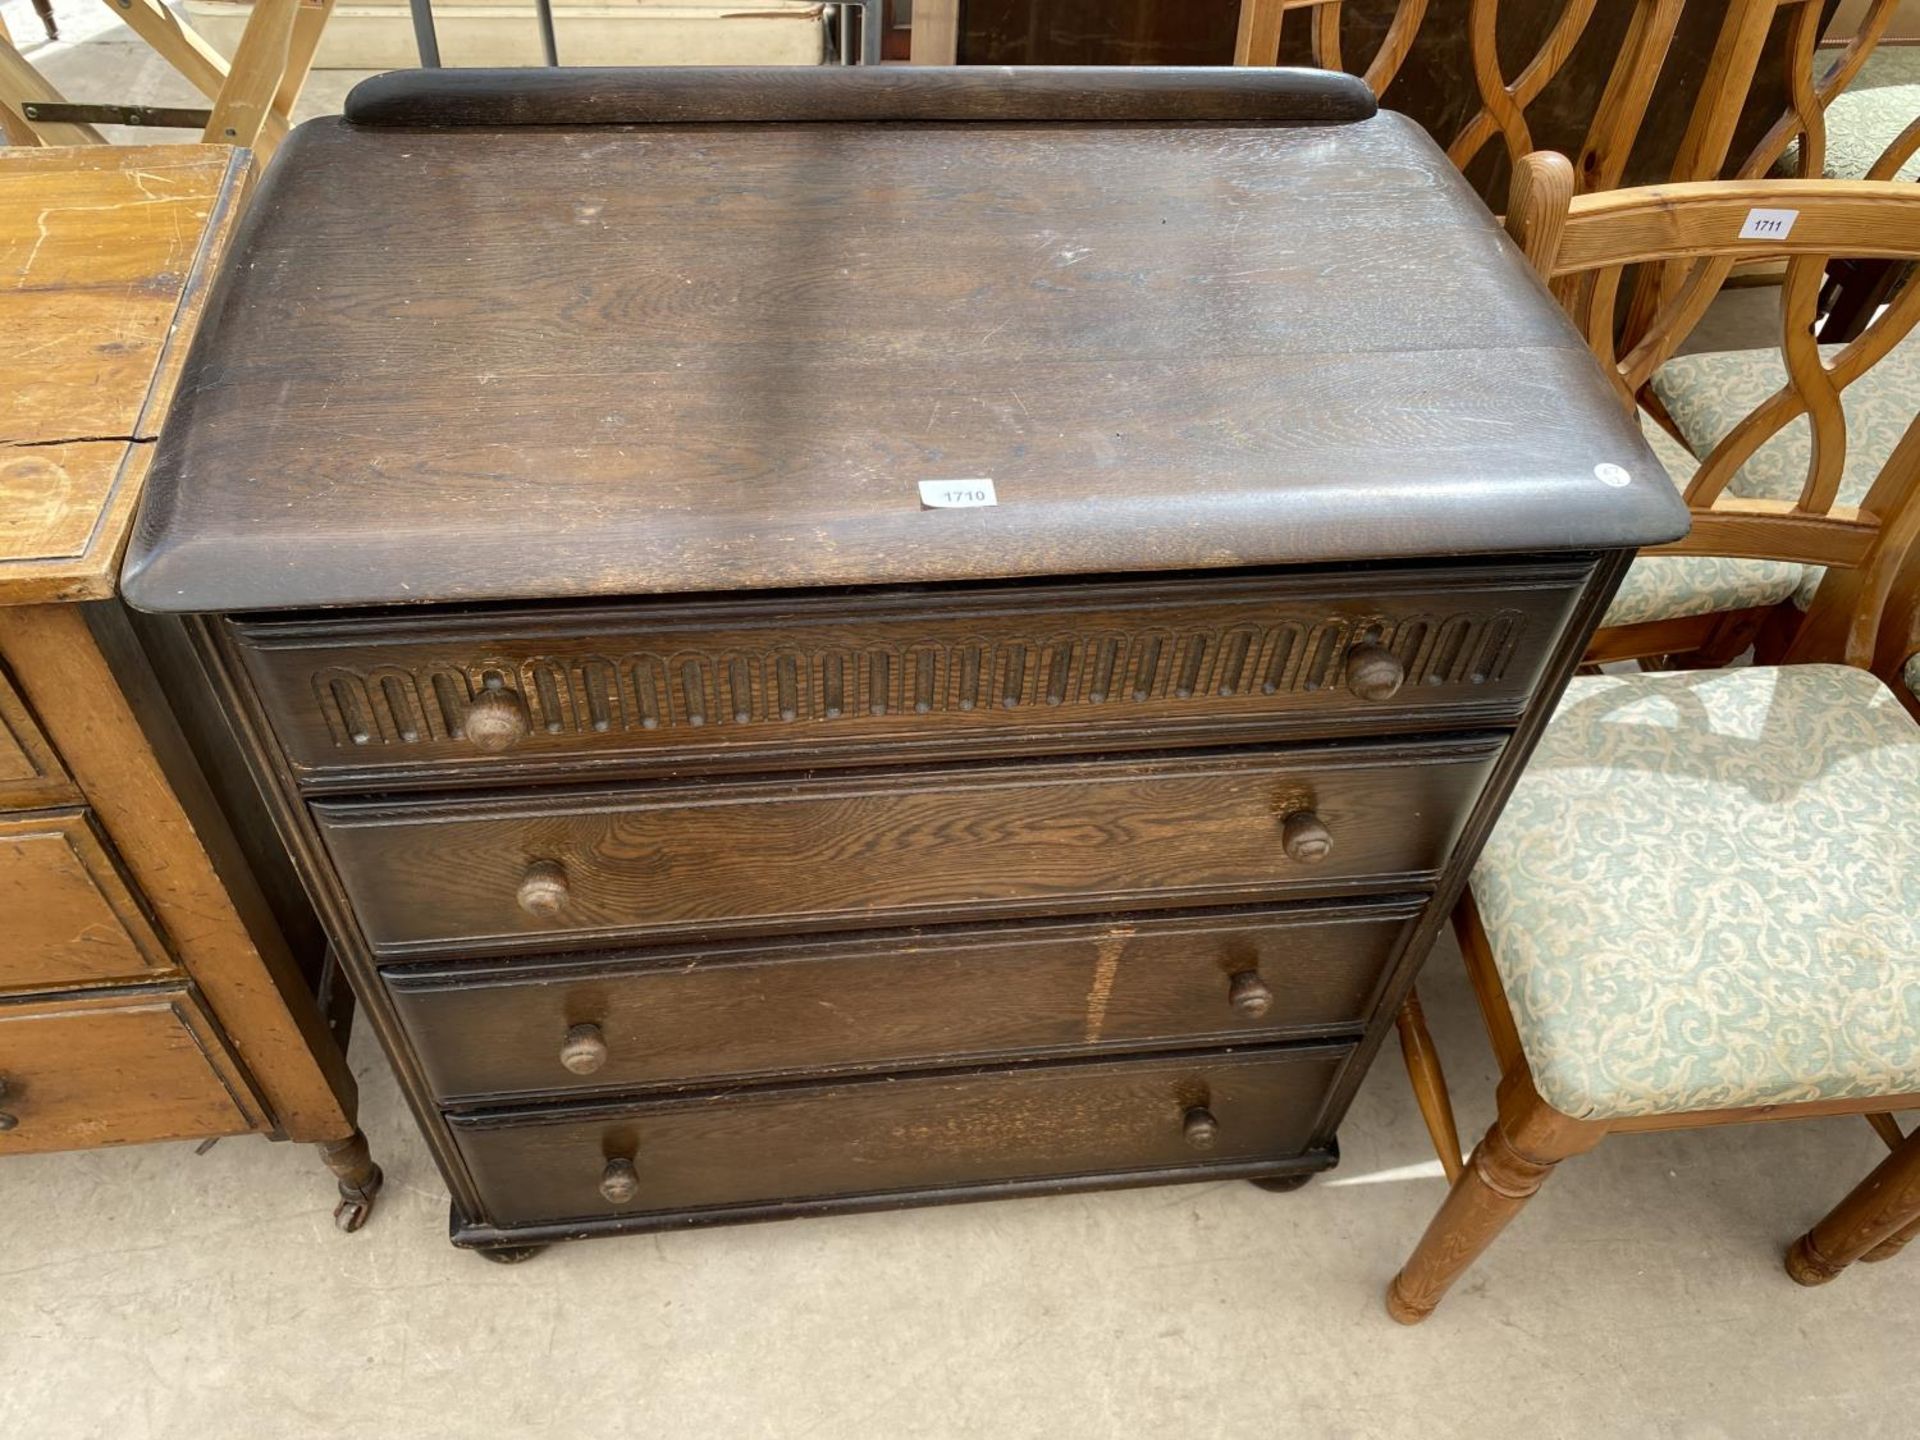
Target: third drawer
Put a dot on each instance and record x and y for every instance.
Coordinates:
(768, 1010)
(545, 872)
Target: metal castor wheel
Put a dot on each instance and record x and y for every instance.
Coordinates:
(510, 1254)
(356, 1202)
(1282, 1184)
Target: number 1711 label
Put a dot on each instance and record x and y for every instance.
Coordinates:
(956, 494)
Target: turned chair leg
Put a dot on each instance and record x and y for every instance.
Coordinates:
(1429, 1084)
(1882, 1209)
(1505, 1170)
(360, 1179)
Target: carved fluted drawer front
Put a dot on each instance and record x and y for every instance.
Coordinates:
(762, 683)
(895, 1136)
(116, 1067)
(528, 871)
(68, 913)
(859, 1002)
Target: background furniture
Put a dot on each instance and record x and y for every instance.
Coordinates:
(147, 989)
(815, 846)
(253, 97)
(1703, 906)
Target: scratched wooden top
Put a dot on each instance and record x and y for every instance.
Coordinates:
(103, 255)
(476, 360)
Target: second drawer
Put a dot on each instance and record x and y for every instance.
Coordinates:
(846, 1003)
(525, 872)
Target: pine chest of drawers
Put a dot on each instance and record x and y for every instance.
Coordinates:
(718, 824)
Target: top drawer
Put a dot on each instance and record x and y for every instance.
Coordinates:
(775, 681)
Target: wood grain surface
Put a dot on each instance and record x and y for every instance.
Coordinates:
(104, 259)
(907, 1133)
(72, 917)
(117, 1068)
(481, 365)
(780, 681)
(677, 95)
(875, 1002)
(896, 846)
(31, 775)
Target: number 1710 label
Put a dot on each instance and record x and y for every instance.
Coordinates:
(956, 494)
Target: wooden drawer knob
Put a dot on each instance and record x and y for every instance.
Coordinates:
(1249, 994)
(1374, 672)
(1200, 1128)
(585, 1050)
(619, 1182)
(543, 891)
(1305, 838)
(497, 720)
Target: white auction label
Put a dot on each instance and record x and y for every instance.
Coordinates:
(1768, 224)
(956, 494)
(1611, 474)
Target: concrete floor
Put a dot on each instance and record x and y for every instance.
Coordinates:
(155, 1293)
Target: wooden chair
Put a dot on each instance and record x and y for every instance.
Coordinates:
(1503, 102)
(253, 97)
(1806, 474)
(1702, 904)
(1876, 1221)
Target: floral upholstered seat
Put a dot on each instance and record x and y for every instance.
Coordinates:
(1864, 118)
(1705, 893)
(1912, 675)
(1670, 587)
(1707, 395)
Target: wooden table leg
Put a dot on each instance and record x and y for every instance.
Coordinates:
(1881, 1208)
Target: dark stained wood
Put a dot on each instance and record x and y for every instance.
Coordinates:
(899, 846)
(1113, 323)
(867, 1002)
(804, 679)
(1238, 383)
(117, 1067)
(692, 95)
(806, 1142)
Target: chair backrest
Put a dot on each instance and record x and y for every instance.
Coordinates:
(1501, 113)
(1581, 244)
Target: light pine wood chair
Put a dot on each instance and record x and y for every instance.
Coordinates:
(1702, 904)
(1799, 460)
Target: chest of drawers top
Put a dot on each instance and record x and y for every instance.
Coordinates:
(611, 334)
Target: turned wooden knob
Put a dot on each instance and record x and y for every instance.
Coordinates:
(1305, 838)
(619, 1182)
(1200, 1128)
(585, 1049)
(1249, 994)
(543, 889)
(1374, 672)
(497, 720)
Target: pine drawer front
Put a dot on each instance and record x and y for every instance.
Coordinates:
(117, 1067)
(848, 1003)
(793, 1145)
(533, 872)
(72, 916)
(30, 772)
(767, 684)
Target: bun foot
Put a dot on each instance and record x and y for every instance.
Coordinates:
(1282, 1184)
(510, 1254)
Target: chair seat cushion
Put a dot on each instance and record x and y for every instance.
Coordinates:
(1866, 117)
(1912, 675)
(1705, 893)
(1671, 587)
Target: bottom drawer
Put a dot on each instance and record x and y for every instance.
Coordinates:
(676, 1159)
(116, 1067)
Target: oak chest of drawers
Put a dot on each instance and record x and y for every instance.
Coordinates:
(717, 825)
